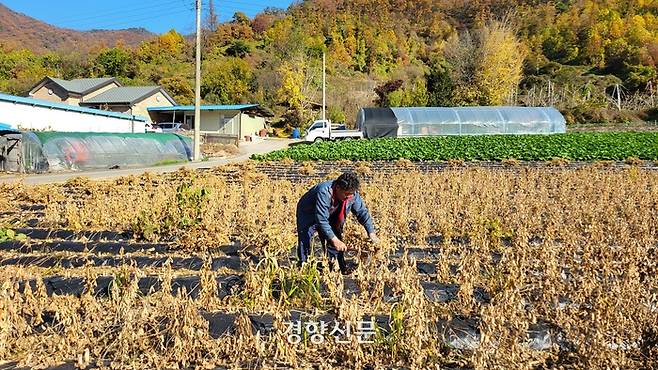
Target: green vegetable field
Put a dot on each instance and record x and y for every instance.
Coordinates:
(572, 146)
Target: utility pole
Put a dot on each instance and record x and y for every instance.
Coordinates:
(324, 87)
(197, 87)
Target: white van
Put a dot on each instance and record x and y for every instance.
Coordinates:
(149, 127)
(171, 127)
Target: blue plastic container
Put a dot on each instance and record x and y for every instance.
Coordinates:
(295, 133)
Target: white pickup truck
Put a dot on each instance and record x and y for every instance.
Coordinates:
(322, 130)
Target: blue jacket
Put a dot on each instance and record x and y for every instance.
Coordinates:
(314, 209)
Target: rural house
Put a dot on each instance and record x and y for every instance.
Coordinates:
(102, 93)
(71, 92)
(133, 100)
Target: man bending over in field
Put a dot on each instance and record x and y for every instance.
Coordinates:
(324, 209)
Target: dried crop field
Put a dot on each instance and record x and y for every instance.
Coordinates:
(479, 268)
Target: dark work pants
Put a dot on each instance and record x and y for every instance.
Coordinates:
(304, 247)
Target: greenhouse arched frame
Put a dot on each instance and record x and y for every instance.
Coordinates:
(436, 121)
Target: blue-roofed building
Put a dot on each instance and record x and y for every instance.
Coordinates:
(41, 115)
(4, 127)
(219, 123)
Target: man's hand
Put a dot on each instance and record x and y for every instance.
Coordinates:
(338, 244)
(373, 238)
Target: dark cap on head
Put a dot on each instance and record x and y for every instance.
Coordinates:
(348, 181)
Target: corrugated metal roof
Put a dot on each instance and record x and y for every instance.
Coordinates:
(7, 128)
(125, 94)
(81, 85)
(66, 107)
(187, 108)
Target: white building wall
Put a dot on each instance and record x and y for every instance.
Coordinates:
(250, 125)
(27, 117)
(220, 122)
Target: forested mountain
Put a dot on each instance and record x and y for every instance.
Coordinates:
(19, 30)
(584, 57)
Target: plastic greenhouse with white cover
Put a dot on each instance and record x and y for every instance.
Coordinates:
(433, 121)
(62, 151)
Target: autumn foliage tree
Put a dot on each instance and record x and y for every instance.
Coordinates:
(291, 93)
(384, 90)
(464, 57)
(227, 81)
(485, 67)
(180, 88)
(500, 66)
(116, 62)
(168, 46)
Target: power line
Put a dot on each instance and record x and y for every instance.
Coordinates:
(246, 8)
(257, 4)
(102, 13)
(132, 21)
(176, 7)
(144, 7)
(233, 9)
(131, 18)
(238, 6)
(234, 6)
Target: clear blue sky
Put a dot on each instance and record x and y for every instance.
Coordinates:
(155, 15)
